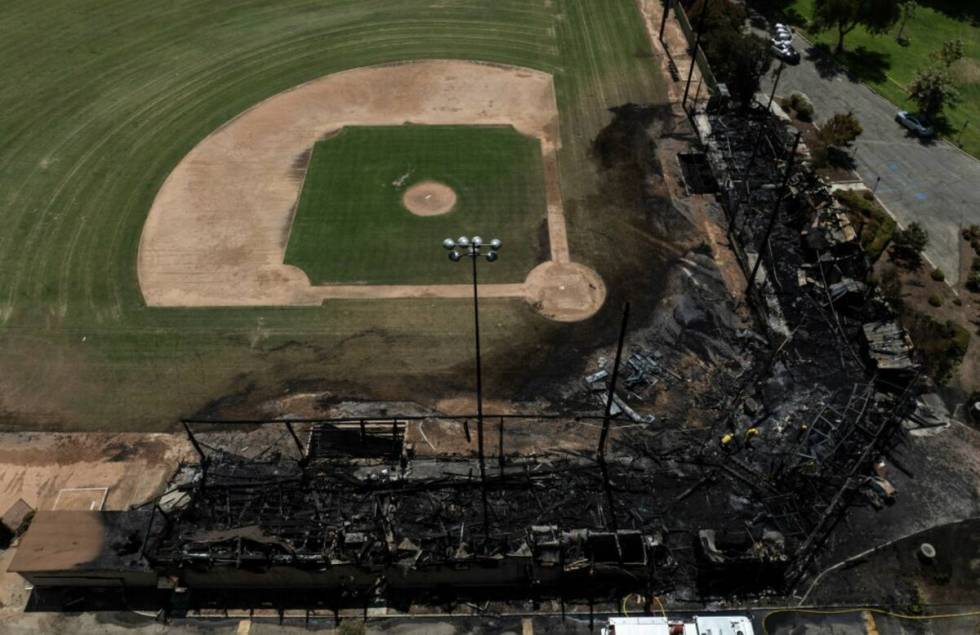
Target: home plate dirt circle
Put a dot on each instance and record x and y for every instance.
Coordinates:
(429, 198)
(565, 291)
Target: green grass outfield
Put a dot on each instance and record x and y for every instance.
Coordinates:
(351, 226)
(890, 67)
(102, 98)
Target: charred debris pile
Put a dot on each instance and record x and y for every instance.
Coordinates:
(796, 412)
(738, 441)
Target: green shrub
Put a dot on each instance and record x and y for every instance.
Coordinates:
(938, 275)
(349, 627)
(936, 300)
(874, 226)
(908, 243)
(891, 288)
(973, 281)
(943, 344)
(802, 106)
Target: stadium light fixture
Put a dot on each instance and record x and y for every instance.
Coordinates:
(474, 249)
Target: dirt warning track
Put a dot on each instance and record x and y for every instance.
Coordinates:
(217, 231)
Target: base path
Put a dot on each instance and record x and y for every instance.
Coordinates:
(217, 231)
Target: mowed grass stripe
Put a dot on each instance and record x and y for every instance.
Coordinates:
(113, 94)
(411, 34)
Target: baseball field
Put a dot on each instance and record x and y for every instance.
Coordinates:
(211, 206)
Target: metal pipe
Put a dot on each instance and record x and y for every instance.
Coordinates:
(479, 398)
(694, 53)
(668, 5)
(500, 448)
(197, 447)
(299, 444)
(612, 382)
(775, 209)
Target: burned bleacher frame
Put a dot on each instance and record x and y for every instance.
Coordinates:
(343, 505)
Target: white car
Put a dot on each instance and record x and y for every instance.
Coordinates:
(919, 126)
(782, 36)
(785, 52)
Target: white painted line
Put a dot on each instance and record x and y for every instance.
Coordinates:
(92, 506)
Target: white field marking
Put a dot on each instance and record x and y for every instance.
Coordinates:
(93, 506)
(217, 231)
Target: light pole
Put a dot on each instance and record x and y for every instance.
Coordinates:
(472, 248)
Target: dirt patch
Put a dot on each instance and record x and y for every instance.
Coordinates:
(565, 291)
(73, 471)
(217, 231)
(429, 198)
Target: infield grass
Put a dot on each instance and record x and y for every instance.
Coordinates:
(351, 226)
(102, 99)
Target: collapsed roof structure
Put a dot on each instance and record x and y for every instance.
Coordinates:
(791, 418)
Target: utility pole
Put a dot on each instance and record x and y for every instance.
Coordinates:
(775, 209)
(765, 118)
(668, 5)
(612, 384)
(694, 52)
(472, 248)
(775, 83)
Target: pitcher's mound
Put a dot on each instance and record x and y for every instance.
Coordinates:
(565, 291)
(429, 198)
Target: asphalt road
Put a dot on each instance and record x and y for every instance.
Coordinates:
(933, 183)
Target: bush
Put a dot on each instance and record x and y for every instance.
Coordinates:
(801, 104)
(938, 275)
(841, 130)
(972, 235)
(349, 627)
(973, 281)
(908, 244)
(891, 288)
(943, 344)
(875, 227)
(936, 300)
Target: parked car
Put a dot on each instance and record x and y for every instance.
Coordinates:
(785, 52)
(918, 125)
(782, 36)
(779, 26)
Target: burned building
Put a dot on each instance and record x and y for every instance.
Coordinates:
(734, 449)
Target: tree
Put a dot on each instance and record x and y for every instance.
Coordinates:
(931, 90)
(877, 16)
(740, 60)
(950, 53)
(841, 130)
(907, 8)
(908, 243)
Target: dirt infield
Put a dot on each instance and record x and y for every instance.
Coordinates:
(565, 291)
(429, 198)
(218, 228)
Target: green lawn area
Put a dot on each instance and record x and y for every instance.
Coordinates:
(351, 226)
(102, 99)
(889, 67)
